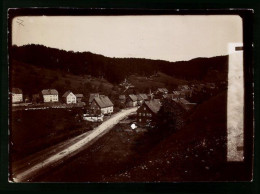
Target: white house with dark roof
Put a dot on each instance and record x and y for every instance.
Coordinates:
(69, 98)
(102, 104)
(17, 95)
(50, 95)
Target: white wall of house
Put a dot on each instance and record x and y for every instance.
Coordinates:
(107, 110)
(17, 98)
(50, 98)
(71, 98)
(130, 103)
(93, 118)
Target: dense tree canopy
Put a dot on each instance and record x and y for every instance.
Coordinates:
(116, 69)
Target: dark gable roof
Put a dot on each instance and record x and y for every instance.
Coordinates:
(92, 96)
(133, 97)
(79, 95)
(49, 92)
(144, 96)
(16, 91)
(154, 105)
(139, 97)
(122, 97)
(103, 101)
(162, 90)
(66, 94)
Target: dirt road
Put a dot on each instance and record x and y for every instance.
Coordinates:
(24, 174)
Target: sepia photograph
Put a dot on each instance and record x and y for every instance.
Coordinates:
(128, 97)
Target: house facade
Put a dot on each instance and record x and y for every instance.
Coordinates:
(50, 95)
(93, 117)
(131, 100)
(79, 97)
(92, 96)
(147, 113)
(17, 95)
(102, 104)
(69, 98)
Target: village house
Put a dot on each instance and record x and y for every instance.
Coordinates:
(122, 99)
(183, 87)
(131, 100)
(178, 94)
(141, 98)
(50, 95)
(148, 111)
(102, 104)
(92, 96)
(162, 91)
(17, 95)
(93, 117)
(69, 98)
(79, 97)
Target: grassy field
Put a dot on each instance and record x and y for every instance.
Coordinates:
(109, 155)
(34, 130)
(197, 152)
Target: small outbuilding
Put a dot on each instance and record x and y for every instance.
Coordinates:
(17, 95)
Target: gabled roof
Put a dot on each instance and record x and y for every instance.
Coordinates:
(49, 92)
(122, 97)
(176, 92)
(66, 94)
(139, 97)
(162, 90)
(133, 97)
(79, 95)
(154, 105)
(144, 96)
(92, 96)
(16, 91)
(103, 102)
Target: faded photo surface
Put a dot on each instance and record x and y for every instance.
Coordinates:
(151, 98)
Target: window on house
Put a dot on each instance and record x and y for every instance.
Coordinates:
(144, 108)
(140, 114)
(144, 114)
(140, 120)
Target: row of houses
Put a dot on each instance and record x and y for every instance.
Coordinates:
(47, 95)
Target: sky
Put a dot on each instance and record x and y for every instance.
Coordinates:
(171, 38)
